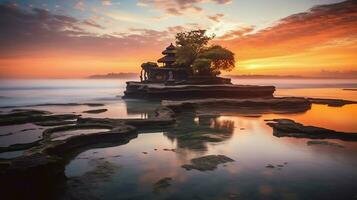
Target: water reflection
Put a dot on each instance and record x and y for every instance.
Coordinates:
(194, 132)
(311, 171)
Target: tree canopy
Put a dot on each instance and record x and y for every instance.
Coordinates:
(193, 52)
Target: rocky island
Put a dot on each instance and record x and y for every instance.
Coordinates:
(190, 70)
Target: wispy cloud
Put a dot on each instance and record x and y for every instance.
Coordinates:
(216, 17)
(300, 32)
(179, 7)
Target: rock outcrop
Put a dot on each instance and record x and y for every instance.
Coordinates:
(290, 128)
(160, 91)
(331, 102)
(207, 163)
(276, 105)
(44, 162)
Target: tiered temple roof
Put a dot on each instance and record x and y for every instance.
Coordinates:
(170, 56)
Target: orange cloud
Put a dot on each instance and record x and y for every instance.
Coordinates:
(326, 35)
(42, 44)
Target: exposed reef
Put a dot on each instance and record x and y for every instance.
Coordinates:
(58, 104)
(83, 187)
(207, 163)
(95, 111)
(161, 91)
(276, 105)
(331, 102)
(22, 116)
(290, 128)
(323, 143)
(44, 160)
(350, 89)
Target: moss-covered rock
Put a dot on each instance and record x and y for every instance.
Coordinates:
(207, 163)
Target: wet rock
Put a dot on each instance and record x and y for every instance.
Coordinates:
(17, 147)
(48, 132)
(173, 150)
(55, 123)
(95, 111)
(40, 171)
(331, 102)
(270, 166)
(207, 163)
(51, 156)
(27, 129)
(161, 91)
(350, 89)
(290, 128)
(83, 187)
(162, 184)
(6, 134)
(261, 105)
(21, 116)
(59, 104)
(252, 116)
(324, 143)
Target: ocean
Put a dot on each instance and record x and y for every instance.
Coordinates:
(300, 170)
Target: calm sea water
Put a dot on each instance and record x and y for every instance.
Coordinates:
(30, 92)
(125, 172)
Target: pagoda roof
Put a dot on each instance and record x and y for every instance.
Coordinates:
(171, 47)
(167, 58)
(169, 51)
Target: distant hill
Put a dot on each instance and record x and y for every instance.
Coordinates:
(264, 76)
(114, 76)
(319, 76)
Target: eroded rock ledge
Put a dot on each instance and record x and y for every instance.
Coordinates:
(44, 162)
(331, 102)
(161, 91)
(290, 128)
(276, 105)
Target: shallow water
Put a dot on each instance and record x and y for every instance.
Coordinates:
(130, 171)
(310, 172)
(62, 135)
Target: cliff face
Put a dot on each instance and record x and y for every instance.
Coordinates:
(160, 91)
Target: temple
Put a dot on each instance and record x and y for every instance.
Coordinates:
(172, 81)
(171, 74)
(170, 56)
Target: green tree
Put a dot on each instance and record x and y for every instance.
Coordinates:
(221, 59)
(193, 52)
(202, 66)
(189, 45)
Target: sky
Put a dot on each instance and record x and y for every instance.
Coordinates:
(78, 38)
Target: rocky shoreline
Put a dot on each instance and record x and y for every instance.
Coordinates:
(44, 160)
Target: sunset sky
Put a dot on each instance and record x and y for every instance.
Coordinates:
(78, 38)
